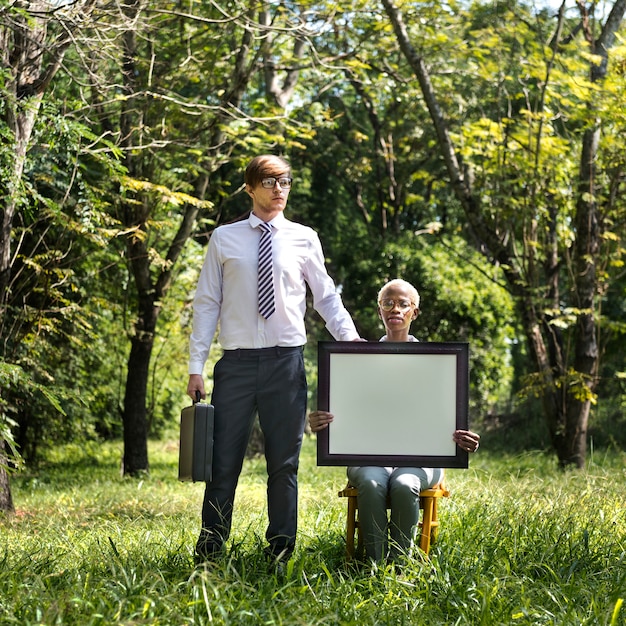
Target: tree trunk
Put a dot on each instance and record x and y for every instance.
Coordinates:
(6, 500)
(135, 414)
(149, 296)
(21, 121)
(572, 447)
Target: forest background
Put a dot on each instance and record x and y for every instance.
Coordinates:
(474, 149)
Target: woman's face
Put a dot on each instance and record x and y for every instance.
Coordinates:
(396, 308)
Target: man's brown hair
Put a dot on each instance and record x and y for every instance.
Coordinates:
(263, 166)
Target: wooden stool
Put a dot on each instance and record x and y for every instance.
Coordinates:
(429, 526)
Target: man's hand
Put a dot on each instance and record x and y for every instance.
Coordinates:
(319, 420)
(196, 383)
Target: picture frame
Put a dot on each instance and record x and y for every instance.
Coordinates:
(394, 403)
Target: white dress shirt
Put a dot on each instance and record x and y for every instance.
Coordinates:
(227, 290)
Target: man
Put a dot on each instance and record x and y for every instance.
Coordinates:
(262, 333)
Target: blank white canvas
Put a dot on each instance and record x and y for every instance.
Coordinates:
(397, 404)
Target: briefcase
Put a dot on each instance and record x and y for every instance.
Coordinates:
(195, 461)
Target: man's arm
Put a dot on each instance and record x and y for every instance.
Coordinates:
(206, 312)
(326, 299)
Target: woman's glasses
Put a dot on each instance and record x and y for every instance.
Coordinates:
(388, 304)
(270, 182)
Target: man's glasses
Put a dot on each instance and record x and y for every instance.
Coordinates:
(270, 182)
(388, 304)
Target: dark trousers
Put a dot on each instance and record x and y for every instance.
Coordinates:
(272, 382)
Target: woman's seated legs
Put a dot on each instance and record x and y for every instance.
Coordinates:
(405, 484)
(372, 483)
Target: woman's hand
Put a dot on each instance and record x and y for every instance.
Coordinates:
(466, 440)
(318, 420)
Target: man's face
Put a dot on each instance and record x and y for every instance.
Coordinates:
(269, 196)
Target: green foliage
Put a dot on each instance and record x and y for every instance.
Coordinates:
(462, 296)
(13, 378)
(368, 177)
(520, 543)
(52, 319)
(463, 300)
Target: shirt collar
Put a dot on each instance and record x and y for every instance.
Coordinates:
(277, 222)
(409, 338)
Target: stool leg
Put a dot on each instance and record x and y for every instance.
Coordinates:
(427, 519)
(351, 527)
(359, 544)
(434, 527)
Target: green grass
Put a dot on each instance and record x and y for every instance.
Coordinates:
(520, 543)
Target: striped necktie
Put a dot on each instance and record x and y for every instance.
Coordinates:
(266, 278)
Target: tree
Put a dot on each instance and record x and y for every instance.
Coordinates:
(552, 245)
(170, 177)
(32, 50)
(32, 53)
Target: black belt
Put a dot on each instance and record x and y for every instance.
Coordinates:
(261, 353)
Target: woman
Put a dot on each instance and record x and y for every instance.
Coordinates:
(398, 306)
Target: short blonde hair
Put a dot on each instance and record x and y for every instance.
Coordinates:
(398, 282)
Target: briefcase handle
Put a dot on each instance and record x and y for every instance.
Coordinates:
(198, 396)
